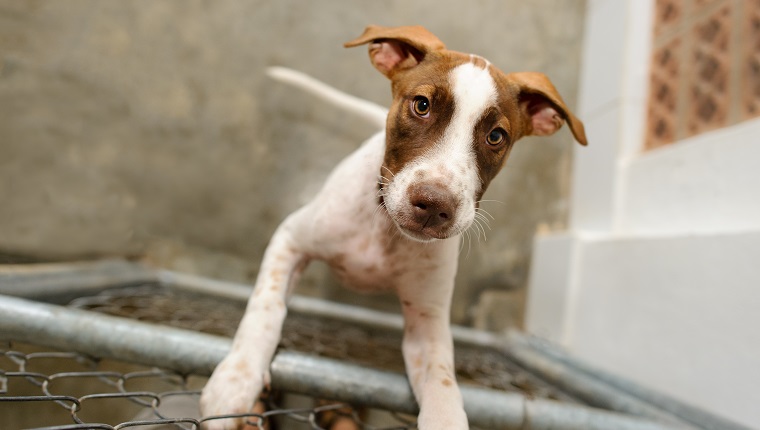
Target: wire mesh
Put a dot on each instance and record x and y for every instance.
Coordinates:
(344, 337)
(68, 390)
(324, 337)
(327, 350)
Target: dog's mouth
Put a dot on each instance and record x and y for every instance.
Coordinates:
(424, 228)
(423, 235)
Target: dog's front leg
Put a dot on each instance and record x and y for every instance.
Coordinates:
(237, 381)
(429, 356)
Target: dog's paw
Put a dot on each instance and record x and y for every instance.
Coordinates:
(233, 388)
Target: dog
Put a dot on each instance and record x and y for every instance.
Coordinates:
(390, 216)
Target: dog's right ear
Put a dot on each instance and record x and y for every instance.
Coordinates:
(397, 48)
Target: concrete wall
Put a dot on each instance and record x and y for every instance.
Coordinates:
(656, 279)
(148, 128)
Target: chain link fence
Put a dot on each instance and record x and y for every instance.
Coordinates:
(69, 390)
(324, 337)
(138, 356)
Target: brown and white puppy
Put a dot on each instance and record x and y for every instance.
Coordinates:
(452, 123)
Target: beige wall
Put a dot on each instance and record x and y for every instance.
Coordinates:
(148, 128)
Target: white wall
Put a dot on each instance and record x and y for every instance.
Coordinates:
(706, 184)
(658, 277)
(679, 314)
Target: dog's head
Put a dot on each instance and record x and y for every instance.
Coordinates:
(451, 126)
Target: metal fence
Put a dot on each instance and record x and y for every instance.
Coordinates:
(150, 366)
(68, 387)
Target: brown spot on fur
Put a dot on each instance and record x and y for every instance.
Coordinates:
(275, 277)
(447, 382)
(406, 303)
(424, 71)
(412, 135)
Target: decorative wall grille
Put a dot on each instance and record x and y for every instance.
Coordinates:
(705, 71)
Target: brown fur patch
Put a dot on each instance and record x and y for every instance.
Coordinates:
(408, 135)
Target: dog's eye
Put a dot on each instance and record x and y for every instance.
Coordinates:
(496, 136)
(421, 105)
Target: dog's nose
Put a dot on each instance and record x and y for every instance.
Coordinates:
(432, 205)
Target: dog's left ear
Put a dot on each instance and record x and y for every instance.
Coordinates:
(397, 48)
(543, 106)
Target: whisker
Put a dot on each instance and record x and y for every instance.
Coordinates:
(494, 201)
(475, 226)
(389, 171)
(478, 228)
(485, 237)
(483, 219)
(378, 209)
(469, 246)
(483, 211)
(392, 227)
(465, 237)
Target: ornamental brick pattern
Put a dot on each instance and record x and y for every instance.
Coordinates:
(751, 60)
(663, 120)
(708, 64)
(705, 71)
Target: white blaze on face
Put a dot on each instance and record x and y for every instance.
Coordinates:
(474, 91)
(452, 161)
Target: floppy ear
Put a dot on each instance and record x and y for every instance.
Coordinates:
(396, 48)
(543, 106)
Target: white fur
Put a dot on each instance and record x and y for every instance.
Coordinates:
(345, 226)
(452, 159)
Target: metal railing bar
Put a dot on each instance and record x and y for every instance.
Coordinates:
(599, 391)
(61, 282)
(53, 282)
(191, 352)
